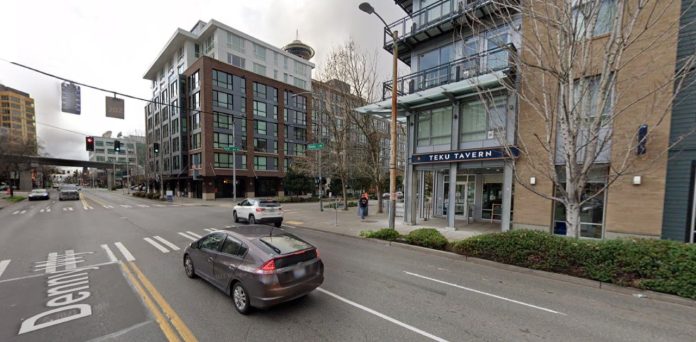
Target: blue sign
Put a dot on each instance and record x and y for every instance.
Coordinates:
(466, 155)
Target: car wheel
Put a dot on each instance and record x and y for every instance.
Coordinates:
(252, 219)
(234, 215)
(240, 297)
(188, 267)
(278, 223)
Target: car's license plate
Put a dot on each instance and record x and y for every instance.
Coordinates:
(299, 272)
(271, 210)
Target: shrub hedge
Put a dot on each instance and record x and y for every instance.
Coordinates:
(658, 265)
(382, 234)
(427, 237)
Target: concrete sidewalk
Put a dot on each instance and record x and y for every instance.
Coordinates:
(347, 222)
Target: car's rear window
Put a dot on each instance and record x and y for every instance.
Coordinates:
(285, 243)
(268, 203)
(38, 191)
(69, 187)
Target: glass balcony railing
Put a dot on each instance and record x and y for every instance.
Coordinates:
(496, 59)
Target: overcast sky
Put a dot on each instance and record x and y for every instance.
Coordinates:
(111, 44)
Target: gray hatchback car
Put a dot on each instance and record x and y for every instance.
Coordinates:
(258, 266)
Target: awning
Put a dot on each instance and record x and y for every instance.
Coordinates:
(434, 95)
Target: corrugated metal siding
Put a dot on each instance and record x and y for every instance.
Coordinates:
(678, 185)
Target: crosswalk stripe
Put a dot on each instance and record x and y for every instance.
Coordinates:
(126, 206)
(3, 265)
(156, 245)
(22, 212)
(16, 212)
(124, 251)
(108, 251)
(51, 262)
(42, 210)
(143, 205)
(159, 205)
(228, 226)
(210, 229)
(188, 236)
(167, 243)
(48, 210)
(193, 234)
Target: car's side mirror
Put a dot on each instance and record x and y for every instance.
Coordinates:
(194, 245)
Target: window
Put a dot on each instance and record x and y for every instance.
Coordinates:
(589, 94)
(175, 126)
(260, 127)
(274, 94)
(473, 121)
(196, 160)
(235, 42)
(260, 69)
(300, 68)
(175, 163)
(241, 82)
(175, 144)
(592, 211)
(193, 81)
(212, 242)
(222, 79)
(300, 83)
(209, 45)
(300, 133)
(275, 112)
(233, 247)
(260, 163)
(260, 109)
(196, 141)
(222, 120)
(223, 100)
(195, 101)
(260, 52)
(434, 127)
(225, 160)
(237, 61)
(222, 140)
(195, 120)
(259, 91)
(260, 145)
(428, 62)
(165, 130)
(582, 15)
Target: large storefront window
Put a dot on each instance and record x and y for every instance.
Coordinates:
(478, 118)
(435, 127)
(591, 212)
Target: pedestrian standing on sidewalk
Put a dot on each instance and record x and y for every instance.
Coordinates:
(362, 206)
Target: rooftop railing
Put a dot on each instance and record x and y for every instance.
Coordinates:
(422, 19)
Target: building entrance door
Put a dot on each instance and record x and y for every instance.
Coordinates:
(462, 196)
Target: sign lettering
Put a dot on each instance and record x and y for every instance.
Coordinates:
(468, 155)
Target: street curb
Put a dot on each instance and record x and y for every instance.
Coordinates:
(650, 295)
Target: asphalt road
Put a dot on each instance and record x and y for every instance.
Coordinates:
(84, 271)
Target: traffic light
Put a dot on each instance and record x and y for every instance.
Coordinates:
(156, 148)
(89, 142)
(117, 146)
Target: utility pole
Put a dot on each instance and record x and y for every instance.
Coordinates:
(321, 186)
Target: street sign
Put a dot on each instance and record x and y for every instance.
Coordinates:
(231, 148)
(314, 147)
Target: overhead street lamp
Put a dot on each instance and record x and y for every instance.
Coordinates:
(367, 8)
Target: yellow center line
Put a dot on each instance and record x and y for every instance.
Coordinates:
(95, 200)
(174, 318)
(161, 320)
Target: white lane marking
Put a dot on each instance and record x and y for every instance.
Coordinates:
(143, 205)
(108, 206)
(383, 316)
(70, 261)
(159, 205)
(193, 234)
(228, 226)
(485, 293)
(51, 262)
(108, 251)
(42, 210)
(167, 243)
(3, 265)
(188, 236)
(156, 245)
(43, 275)
(124, 251)
(210, 230)
(22, 212)
(126, 206)
(15, 212)
(48, 210)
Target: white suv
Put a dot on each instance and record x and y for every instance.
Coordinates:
(255, 211)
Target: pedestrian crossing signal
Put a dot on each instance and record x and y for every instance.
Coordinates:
(117, 146)
(156, 148)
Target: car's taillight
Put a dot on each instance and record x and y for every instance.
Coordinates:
(317, 251)
(269, 266)
(258, 210)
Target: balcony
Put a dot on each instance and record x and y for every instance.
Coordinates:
(486, 62)
(433, 21)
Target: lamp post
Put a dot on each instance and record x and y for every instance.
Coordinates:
(367, 8)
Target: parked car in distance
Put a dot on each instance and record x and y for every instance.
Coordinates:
(39, 194)
(258, 266)
(254, 210)
(68, 192)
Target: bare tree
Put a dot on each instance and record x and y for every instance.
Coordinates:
(581, 69)
(13, 156)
